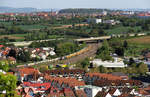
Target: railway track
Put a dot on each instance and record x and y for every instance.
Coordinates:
(90, 53)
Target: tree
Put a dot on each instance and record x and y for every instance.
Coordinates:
(119, 51)
(125, 44)
(12, 53)
(104, 52)
(4, 65)
(101, 32)
(8, 84)
(23, 56)
(102, 69)
(85, 62)
(143, 68)
(145, 27)
(131, 61)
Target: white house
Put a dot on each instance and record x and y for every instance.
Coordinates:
(117, 63)
(93, 20)
(112, 22)
(115, 92)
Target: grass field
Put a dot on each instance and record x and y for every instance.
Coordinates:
(137, 45)
(120, 30)
(140, 40)
(31, 27)
(17, 37)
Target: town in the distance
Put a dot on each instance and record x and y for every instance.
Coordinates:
(75, 52)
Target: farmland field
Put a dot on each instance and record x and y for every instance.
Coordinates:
(140, 40)
(120, 30)
(17, 37)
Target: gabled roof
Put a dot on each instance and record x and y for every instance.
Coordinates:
(80, 93)
(101, 94)
(38, 86)
(28, 71)
(112, 91)
(72, 82)
(127, 90)
(68, 93)
(104, 76)
(127, 95)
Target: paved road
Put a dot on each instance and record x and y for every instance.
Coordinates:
(26, 43)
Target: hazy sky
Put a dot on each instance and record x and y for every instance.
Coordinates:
(77, 3)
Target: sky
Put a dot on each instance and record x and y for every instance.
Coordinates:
(76, 3)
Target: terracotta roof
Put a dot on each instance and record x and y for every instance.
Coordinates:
(105, 82)
(101, 94)
(104, 75)
(127, 95)
(145, 91)
(72, 82)
(68, 93)
(112, 91)
(80, 93)
(127, 90)
(72, 71)
(28, 71)
(38, 86)
(1, 46)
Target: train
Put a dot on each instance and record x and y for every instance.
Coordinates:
(77, 53)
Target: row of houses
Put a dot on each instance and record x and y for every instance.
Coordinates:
(76, 83)
(10, 53)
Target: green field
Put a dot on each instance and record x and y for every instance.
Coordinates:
(120, 30)
(137, 45)
(32, 27)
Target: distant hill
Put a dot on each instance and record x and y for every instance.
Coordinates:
(82, 10)
(22, 10)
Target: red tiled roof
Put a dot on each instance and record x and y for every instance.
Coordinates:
(105, 76)
(1, 46)
(80, 93)
(68, 93)
(72, 82)
(28, 71)
(112, 91)
(101, 94)
(39, 86)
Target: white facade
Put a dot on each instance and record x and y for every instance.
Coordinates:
(108, 95)
(117, 63)
(117, 93)
(96, 21)
(104, 13)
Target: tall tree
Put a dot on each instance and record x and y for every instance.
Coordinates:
(8, 84)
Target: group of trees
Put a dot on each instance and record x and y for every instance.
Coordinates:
(12, 29)
(119, 46)
(7, 81)
(66, 48)
(104, 52)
